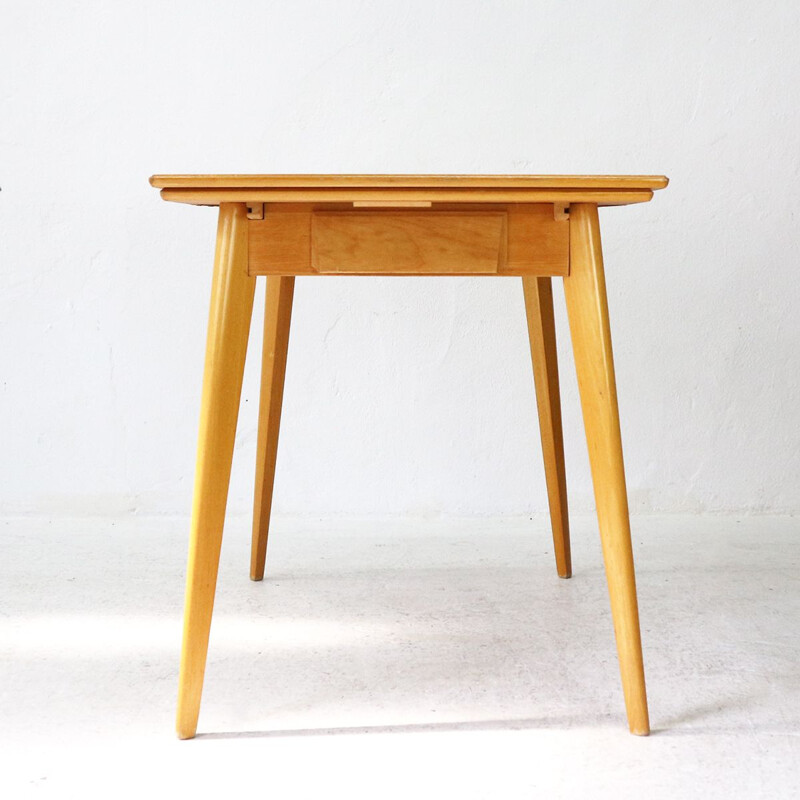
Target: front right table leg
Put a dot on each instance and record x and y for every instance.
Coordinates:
(587, 309)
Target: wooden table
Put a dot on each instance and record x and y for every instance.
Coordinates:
(281, 226)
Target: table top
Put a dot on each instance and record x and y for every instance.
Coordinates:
(600, 189)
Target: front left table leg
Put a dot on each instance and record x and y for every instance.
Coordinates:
(228, 330)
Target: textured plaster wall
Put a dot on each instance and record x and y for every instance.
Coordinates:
(402, 395)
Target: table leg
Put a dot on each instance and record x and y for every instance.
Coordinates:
(277, 319)
(228, 328)
(591, 341)
(542, 333)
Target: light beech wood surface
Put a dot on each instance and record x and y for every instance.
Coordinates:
(630, 182)
(451, 239)
(280, 226)
(408, 189)
(228, 330)
(587, 308)
(544, 356)
(277, 319)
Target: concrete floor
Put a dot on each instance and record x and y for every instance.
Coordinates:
(439, 659)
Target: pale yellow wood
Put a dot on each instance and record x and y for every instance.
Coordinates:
(549, 228)
(228, 329)
(408, 242)
(280, 244)
(277, 320)
(537, 244)
(392, 204)
(542, 333)
(512, 194)
(561, 211)
(591, 341)
(406, 181)
(565, 189)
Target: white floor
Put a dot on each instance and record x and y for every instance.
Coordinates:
(414, 659)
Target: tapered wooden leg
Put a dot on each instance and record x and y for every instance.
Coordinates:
(228, 329)
(277, 319)
(591, 341)
(542, 333)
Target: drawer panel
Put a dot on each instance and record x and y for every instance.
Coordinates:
(408, 242)
(516, 239)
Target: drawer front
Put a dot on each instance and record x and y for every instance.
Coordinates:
(521, 239)
(408, 242)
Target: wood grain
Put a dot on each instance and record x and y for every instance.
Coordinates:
(277, 320)
(228, 329)
(587, 307)
(538, 294)
(531, 225)
(404, 189)
(537, 244)
(628, 182)
(345, 194)
(408, 242)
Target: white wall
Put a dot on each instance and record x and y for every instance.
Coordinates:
(403, 395)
